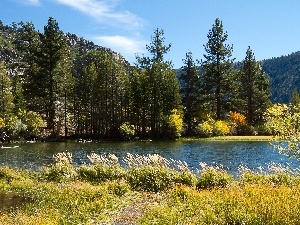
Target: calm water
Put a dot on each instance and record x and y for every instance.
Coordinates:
(229, 154)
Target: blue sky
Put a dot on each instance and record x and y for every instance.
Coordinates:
(270, 27)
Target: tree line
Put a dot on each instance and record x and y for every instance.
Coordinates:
(70, 87)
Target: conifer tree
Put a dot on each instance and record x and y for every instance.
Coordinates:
(217, 67)
(52, 54)
(254, 92)
(190, 92)
(295, 98)
(162, 86)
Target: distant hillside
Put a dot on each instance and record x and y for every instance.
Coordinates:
(284, 73)
(11, 57)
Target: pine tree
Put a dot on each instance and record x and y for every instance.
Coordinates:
(17, 90)
(217, 68)
(101, 92)
(28, 45)
(163, 86)
(52, 53)
(190, 92)
(295, 98)
(254, 92)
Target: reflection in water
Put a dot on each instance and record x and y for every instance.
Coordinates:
(229, 154)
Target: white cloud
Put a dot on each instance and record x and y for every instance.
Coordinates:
(128, 47)
(104, 11)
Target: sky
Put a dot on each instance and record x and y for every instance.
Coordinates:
(270, 27)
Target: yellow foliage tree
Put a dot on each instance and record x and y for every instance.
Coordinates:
(174, 124)
(221, 128)
(283, 121)
(237, 119)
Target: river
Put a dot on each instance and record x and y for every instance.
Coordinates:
(230, 154)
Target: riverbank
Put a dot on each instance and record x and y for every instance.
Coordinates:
(148, 191)
(241, 138)
(231, 138)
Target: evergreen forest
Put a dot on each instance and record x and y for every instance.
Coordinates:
(57, 85)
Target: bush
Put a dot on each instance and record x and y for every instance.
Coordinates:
(150, 178)
(221, 128)
(9, 174)
(127, 131)
(87, 173)
(205, 129)
(2, 123)
(100, 173)
(62, 170)
(212, 177)
(186, 178)
(118, 188)
(59, 173)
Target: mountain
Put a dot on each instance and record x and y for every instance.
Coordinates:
(11, 56)
(284, 73)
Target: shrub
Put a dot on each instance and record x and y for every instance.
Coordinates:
(118, 188)
(221, 128)
(87, 173)
(253, 178)
(281, 178)
(106, 167)
(9, 174)
(150, 178)
(283, 121)
(62, 170)
(127, 131)
(186, 178)
(34, 123)
(205, 129)
(59, 173)
(2, 123)
(172, 125)
(212, 177)
(237, 118)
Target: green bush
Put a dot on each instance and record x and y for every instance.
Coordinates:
(253, 178)
(281, 178)
(9, 174)
(186, 178)
(212, 178)
(87, 173)
(150, 178)
(100, 173)
(127, 131)
(118, 188)
(61, 172)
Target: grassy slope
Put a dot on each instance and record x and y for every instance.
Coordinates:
(250, 199)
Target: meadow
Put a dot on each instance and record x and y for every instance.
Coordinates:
(147, 190)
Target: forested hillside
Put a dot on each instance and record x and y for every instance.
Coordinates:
(284, 73)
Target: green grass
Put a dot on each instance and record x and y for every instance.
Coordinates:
(147, 192)
(231, 138)
(241, 138)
